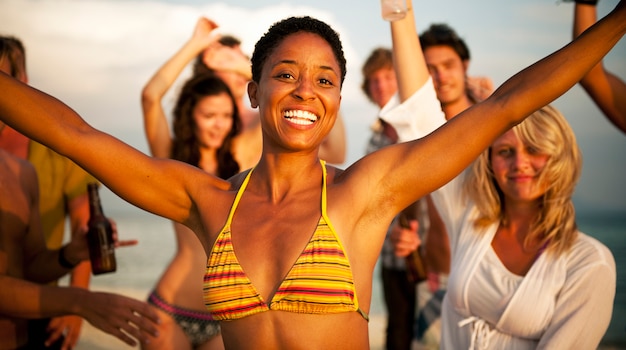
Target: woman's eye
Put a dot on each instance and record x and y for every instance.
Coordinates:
(532, 150)
(285, 76)
(326, 82)
(505, 152)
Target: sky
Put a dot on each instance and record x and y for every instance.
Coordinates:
(96, 55)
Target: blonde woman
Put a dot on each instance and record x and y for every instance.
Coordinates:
(514, 240)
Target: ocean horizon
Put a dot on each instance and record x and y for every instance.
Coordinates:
(139, 268)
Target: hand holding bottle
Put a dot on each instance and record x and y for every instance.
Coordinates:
(407, 243)
(404, 237)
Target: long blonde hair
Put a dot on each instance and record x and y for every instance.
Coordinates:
(547, 131)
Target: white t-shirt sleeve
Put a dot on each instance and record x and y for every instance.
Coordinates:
(416, 117)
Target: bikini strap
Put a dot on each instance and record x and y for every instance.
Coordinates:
(323, 187)
(238, 198)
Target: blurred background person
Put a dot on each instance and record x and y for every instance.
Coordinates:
(399, 288)
(24, 257)
(205, 122)
(447, 58)
(63, 197)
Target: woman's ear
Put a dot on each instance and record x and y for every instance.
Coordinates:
(252, 90)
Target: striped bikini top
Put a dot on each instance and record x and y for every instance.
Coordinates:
(320, 281)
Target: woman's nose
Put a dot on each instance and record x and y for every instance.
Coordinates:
(304, 89)
(521, 160)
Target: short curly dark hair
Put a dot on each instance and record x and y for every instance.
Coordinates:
(442, 34)
(277, 33)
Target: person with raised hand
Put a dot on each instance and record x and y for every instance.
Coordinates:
(293, 242)
(399, 284)
(205, 122)
(510, 216)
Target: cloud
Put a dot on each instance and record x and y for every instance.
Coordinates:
(96, 55)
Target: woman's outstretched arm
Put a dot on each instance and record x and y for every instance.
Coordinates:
(160, 186)
(432, 161)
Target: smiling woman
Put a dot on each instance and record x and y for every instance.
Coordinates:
(512, 226)
(303, 90)
(294, 231)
